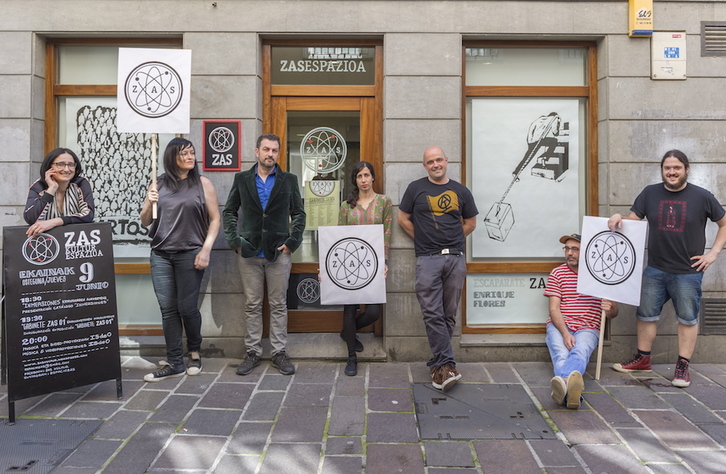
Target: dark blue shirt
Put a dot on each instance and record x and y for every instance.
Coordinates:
(264, 188)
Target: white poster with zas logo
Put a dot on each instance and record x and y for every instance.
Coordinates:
(154, 87)
(611, 263)
(352, 262)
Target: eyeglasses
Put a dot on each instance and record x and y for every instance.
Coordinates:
(70, 165)
(571, 249)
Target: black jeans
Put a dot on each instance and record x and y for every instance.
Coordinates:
(176, 284)
(351, 323)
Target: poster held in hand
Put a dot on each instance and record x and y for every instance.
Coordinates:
(153, 90)
(153, 94)
(611, 265)
(352, 262)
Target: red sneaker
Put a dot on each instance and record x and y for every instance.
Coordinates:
(639, 363)
(682, 379)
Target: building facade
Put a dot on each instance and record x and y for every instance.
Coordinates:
(547, 110)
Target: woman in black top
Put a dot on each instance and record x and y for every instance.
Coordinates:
(182, 238)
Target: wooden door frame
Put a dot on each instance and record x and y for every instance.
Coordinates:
(588, 92)
(279, 99)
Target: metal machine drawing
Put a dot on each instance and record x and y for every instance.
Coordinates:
(548, 145)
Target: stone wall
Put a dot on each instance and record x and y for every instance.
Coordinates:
(638, 119)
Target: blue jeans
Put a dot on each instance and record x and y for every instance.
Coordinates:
(564, 360)
(176, 284)
(659, 286)
(439, 280)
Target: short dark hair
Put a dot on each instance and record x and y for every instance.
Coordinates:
(677, 154)
(50, 158)
(172, 176)
(268, 136)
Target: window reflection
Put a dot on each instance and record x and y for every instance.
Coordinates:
(332, 148)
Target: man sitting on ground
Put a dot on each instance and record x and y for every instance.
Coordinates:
(573, 328)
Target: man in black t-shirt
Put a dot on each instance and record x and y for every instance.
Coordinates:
(442, 212)
(677, 212)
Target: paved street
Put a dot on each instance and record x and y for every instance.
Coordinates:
(321, 421)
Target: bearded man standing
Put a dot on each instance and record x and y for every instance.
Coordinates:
(676, 211)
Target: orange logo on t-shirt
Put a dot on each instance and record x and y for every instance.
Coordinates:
(443, 203)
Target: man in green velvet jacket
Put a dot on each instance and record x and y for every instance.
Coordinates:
(273, 221)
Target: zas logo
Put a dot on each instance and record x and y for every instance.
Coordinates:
(41, 250)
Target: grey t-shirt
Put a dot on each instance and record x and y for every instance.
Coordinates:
(183, 221)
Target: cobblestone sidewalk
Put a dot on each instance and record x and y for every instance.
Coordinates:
(321, 421)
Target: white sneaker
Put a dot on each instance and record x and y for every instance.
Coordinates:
(575, 386)
(559, 389)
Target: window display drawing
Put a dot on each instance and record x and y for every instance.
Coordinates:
(117, 170)
(548, 141)
(118, 165)
(322, 187)
(527, 171)
(610, 257)
(323, 150)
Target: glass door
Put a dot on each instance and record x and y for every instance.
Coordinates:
(322, 139)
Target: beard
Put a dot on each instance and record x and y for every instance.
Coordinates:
(266, 165)
(679, 184)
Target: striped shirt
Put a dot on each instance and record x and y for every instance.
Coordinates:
(579, 311)
(78, 204)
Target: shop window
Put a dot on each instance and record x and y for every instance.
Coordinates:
(80, 115)
(532, 167)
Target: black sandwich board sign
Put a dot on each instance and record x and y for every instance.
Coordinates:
(60, 326)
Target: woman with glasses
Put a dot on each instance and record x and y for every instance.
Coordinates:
(61, 196)
(182, 236)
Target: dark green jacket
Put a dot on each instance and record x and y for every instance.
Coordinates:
(264, 229)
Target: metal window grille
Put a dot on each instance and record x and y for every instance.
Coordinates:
(713, 316)
(713, 38)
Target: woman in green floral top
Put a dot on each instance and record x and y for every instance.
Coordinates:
(363, 207)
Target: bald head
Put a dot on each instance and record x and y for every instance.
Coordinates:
(435, 162)
(433, 150)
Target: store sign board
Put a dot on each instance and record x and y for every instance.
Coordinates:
(60, 322)
(323, 65)
(222, 145)
(506, 298)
